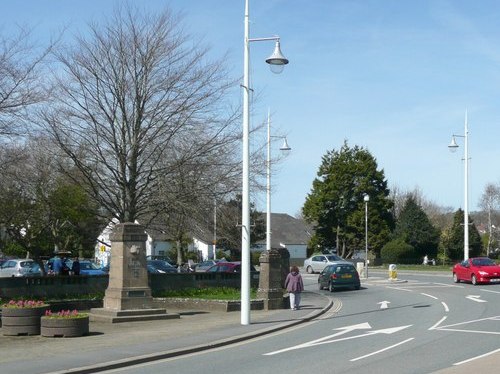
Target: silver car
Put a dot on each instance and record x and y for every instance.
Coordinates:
(316, 263)
(15, 268)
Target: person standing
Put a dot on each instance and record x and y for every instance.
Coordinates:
(75, 267)
(57, 265)
(294, 285)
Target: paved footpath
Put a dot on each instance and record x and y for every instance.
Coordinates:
(111, 346)
(116, 345)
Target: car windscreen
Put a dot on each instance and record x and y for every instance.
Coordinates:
(332, 258)
(345, 269)
(483, 262)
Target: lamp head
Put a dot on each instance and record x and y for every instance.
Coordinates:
(453, 145)
(277, 61)
(366, 198)
(285, 146)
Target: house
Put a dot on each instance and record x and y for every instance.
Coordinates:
(288, 232)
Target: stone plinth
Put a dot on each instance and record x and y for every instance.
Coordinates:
(128, 296)
(270, 288)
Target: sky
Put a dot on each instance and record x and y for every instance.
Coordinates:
(393, 76)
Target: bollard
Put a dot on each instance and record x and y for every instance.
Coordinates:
(393, 275)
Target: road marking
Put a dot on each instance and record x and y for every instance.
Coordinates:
(446, 309)
(382, 350)
(343, 330)
(438, 323)
(383, 304)
(400, 289)
(475, 358)
(449, 285)
(475, 298)
(490, 291)
(426, 294)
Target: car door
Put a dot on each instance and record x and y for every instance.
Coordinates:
(318, 263)
(463, 270)
(8, 268)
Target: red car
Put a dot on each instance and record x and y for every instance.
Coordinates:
(227, 267)
(477, 270)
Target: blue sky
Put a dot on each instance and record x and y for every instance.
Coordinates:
(393, 76)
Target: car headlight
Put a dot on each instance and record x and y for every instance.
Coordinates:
(482, 273)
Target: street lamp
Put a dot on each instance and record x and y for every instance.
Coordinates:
(284, 147)
(366, 199)
(277, 62)
(453, 147)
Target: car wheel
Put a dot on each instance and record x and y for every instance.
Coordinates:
(455, 278)
(310, 270)
(473, 279)
(357, 288)
(330, 287)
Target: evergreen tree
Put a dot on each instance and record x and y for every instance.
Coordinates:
(454, 242)
(335, 205)
(415, 228)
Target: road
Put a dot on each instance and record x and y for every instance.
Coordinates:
(421, 324)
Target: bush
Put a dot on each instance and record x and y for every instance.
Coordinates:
(399, 252)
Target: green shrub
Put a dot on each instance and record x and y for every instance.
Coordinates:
(399, 252)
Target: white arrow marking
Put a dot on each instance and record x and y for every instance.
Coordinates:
(475, 298)
(344, 330)
(383, 304)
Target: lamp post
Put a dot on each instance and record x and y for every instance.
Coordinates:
(284, 147)
(453, 147)
(366, 199)
(277, 62)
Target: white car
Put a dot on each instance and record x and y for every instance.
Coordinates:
(15, 268)
(316, 263)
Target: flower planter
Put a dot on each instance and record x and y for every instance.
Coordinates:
(64, 327)
(22, 321)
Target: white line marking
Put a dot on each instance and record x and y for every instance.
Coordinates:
(475, 298)
(490, 291)
(438, 323)
(382, 350)
(426, 294)
(449, 285)
(475, 358)
(446, 309)
(400, 289)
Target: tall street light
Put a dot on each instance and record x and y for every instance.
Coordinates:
(284, 147)
(366, 199)
(453, 147)
(277, 61)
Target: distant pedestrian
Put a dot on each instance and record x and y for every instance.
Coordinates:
(294, 286)
(75, 267)
(57, 265)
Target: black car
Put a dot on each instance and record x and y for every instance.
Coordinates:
(161, 266)
(339, 275)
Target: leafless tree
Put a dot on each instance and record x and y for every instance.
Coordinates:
(489, 203)
(21, 82)
(136, 105)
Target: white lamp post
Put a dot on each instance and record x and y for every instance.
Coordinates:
(453, 147)
(284, 147)
(366, 199)
(277, 62)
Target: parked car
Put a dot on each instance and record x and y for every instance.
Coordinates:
(15, 267)
(205, 265)
(477, 270)
(88, 268)
(317, 263)
(339, 275)
(161, 266)
(227, 267)
(34, 270)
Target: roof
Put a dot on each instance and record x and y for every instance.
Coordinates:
(288, 230)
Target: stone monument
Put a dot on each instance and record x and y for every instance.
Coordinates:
(128, 296)
(270, 283)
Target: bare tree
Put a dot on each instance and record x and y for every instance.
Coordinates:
(21, 72)
(489, 202)
(136, 104)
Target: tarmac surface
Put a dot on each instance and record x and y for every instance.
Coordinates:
(110, 346)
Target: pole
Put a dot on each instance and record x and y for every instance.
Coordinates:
(215, 228)
(268, 186)
(245, 214)
(466, 190)
(366, 238)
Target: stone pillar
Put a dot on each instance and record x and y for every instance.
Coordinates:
(270, 286)
(128, 286)
(285, 264)
(128, 296)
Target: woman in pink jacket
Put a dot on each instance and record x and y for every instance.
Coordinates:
(294, 286)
